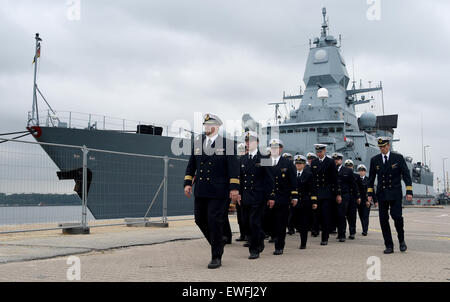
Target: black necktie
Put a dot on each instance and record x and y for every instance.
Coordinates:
(385, 159)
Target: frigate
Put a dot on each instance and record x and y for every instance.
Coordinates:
(122, 184)
(326, 114)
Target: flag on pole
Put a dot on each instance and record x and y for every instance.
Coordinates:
(38, 52)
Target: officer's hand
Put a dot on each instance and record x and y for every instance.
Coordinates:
(376, 204)
(234, 195)
(314, 206)
(409, 197)
(294, 202)
(188, 191)
(239, 197)
(368, 204)
(358, 201)
(338, 199)
(369, 198)
(271, 203)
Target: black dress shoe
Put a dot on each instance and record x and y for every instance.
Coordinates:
(253, 256)
(342, 239)
(215, 263)
(314, 234)
(323, 242)
(364, 233)
(333, 232)
(403, 246)
(278, 252)
(351, 237)
(388, 250)
(271, 240)
(302, 246)
(266, 236)
(226, 240)
(241, 238)
(246, 244)
(291, 232)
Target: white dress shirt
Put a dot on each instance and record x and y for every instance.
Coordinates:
(253, 154)
(387, 154)
(212, 139)
(275, 160)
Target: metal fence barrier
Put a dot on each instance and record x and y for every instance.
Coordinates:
(38, 181)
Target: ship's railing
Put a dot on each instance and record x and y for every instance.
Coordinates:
(80, 120)
(111, 188)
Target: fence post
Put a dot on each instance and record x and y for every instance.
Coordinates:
(166, 178)
(84, 193)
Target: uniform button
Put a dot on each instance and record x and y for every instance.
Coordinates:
(245, 188)
(201, 171)
(201, 178)
(253, 175)
(245, 181)
(209, 163)
(209, 171)
(208, 178)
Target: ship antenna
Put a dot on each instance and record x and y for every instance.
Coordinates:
(34, 110)
(324, 24)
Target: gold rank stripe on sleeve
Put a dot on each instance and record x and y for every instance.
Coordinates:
(188, 177)
(294, 192)
(234, 181)
(409, 188)
(313, 197)
(369, 190)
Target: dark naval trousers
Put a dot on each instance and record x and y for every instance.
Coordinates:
(324, 209)
(242, 222)
(364, 212)
(395, 207)
(342, 209)
(351, 215)
(253, 215)
(210, 218)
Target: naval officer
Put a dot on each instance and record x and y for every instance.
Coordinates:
(364, 205)
(242, 151)
(214, 164)
(389, 168)
(282, 173)
(315, 227)
(325, 188)
(256, 188)
(355, 200)
(347, 185)
(303, 208)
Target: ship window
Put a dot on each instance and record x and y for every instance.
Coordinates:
(305, 129)
(312, 129)
(331, 130)
(290, 131)
(319, 130)
(282, 131)
(339, 129)
(298, 130)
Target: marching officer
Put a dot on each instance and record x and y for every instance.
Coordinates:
(364, 205)
(355, 200)
(303, 207)
(389, 168)
(215, 166)
(256, 188)
(315, 227)
(347, 185)
(291, 220)
(282, 173)
(325, 188)
(241, 151)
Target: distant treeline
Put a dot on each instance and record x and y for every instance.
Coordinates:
(39, 199)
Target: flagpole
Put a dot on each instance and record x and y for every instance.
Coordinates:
(35, 106)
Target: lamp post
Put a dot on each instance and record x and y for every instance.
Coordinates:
(443, 175)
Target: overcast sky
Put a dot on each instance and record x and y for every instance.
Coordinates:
(160, 61)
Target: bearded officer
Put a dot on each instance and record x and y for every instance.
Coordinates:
(325, 188)
(214, 164)
(282, 173)
(389, 169)
(256, 189)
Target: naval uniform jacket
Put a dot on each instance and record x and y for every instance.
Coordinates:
(304, 187)
(325, 179)
(256, 186)
(215, 173)
(362, 186)
(347, 183)
(284, 175)
(389, 175)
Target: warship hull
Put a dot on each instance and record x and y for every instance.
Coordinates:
(121, 185)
